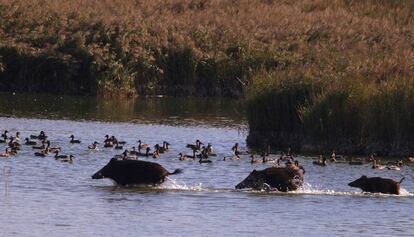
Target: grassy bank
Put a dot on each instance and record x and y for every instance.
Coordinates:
(173, 47)
(348, 87)
(197, 47)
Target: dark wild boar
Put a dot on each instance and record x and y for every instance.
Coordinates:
(281, 178)
(377, 185)
(126, 172)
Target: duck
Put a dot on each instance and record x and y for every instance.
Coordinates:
(7, 153)
(393, 167)
(57, 156)
(156, 154)
(126, 156)
(73, 141)
(196, 146)
(42, 153)
(52, 149)
(41, 136)
(142, 146)
(29, 142)
(209, 150)
(162, 149)
(182, 157)
(158, 148)
(69, 159)
(397, 163)
(204, 161)
(118, 147)
(4, 136)
(297, 166)
(134, 151)
(237, 152)
(333, 157)
(253, 161)
(375, 165)
(320, 162)
(17, 137)
(93, 146)
(108, 139)
(14, 145)
(108, 144)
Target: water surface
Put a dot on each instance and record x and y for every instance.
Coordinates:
(39, 196)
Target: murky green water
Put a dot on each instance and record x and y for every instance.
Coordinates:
(42, 196)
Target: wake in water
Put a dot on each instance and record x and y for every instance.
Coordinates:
(306, 189)
(175, 185)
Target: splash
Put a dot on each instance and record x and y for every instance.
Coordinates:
(181, 186)
(308, 189)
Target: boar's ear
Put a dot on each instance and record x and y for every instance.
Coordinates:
(364, 177)
(254, 171)
(112, 160)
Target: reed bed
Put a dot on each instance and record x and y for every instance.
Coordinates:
(197, 47)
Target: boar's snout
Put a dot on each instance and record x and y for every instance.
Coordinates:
(240, 186)
(353, 184)
(97, 175)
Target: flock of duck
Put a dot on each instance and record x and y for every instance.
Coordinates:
(202, 153)
(375, 163)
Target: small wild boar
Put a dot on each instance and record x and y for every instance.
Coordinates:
(281, 178)
(377, 185)
(126, 172)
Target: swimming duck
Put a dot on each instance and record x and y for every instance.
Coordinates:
(134, 151)
(30, 143)
(72, 140)
(118, 147)
(57, 156)
(126, 156)
(182, 157)
(393, 167)
(4, 136)
(375, 165)
(397, 163)
(52, 149)
(93, 146)
(297, 166)
(17, 137)
(237, 152)
(158, 148)
(196, 146)
(203, 154)
(164, 148)
(142, 146)
(333, 157)
(42, 153)
(7, 153)
(253, 161)
(156, 155)
(108, 144)
(13, 144)
(68, 159)
(204, 161)
(320, 162)
(41, 136)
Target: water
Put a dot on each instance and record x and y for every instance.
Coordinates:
(39, 196)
